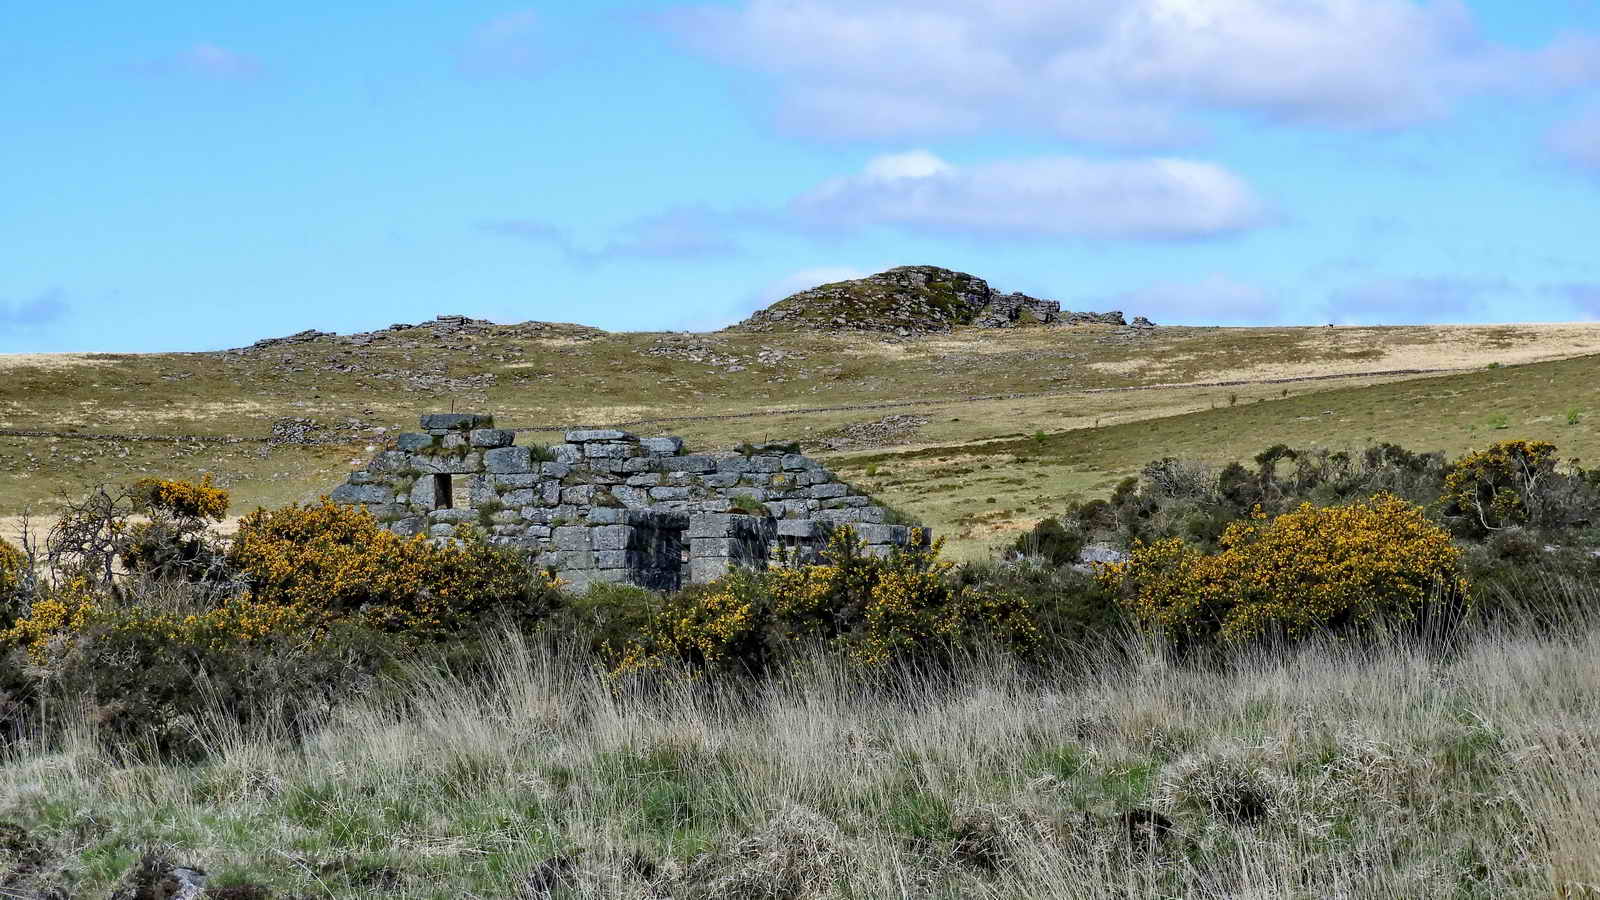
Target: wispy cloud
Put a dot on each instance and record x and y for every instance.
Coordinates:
(1584, 296)
(1039, 197)
(1417, 300)
(1215, 299)
(203, 61)
(1122, 72)
(674, 235)
(1578, 140)
(510, 44)
(17, 316)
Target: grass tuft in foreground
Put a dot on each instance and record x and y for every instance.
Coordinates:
(1329, 770)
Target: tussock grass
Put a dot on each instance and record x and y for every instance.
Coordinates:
(1327, 770)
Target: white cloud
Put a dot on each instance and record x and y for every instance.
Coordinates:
(915, 164)
(1116, 71)
(1050, 196)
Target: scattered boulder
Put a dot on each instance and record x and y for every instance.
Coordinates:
(889, 430)
(157, 877)
(1101, 553)
(299, 337)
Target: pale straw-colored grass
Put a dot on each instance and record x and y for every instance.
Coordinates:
(1325, 771)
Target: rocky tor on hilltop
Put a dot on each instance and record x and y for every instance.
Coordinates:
(917, 300)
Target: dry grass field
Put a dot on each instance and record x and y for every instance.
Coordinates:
(1107, 401)
(1326, 772)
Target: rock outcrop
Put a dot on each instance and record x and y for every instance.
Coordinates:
(914, 300)
(607, 506)
(450, 328)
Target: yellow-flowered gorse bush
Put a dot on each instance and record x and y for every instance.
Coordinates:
(1302, 572)
(874, 609)
(181, 499)
(337, 559)
(315, 601)
(77, 607)
(291, 573)
(13, 580)
(1501, 486)
(173, 541)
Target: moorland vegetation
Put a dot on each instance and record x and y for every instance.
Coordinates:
(1312, 673)
(947, 420)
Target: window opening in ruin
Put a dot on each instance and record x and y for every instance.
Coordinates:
(441, 491)
(460, 492)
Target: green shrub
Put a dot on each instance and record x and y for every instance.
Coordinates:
(1070, 609)
(153, 692)
(1050, 541)
(606, 617)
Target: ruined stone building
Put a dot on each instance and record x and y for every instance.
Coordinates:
(606, 506)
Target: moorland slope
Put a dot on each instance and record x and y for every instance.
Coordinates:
(1052, 412)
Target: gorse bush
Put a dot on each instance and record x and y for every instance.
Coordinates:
(337, 559)
(182, 499)
(1069, 608)
(146, 678)
(1295, 574)
(13, 572)
(73, 609)
(173, 542)
(146, 674)
(875, 609)
(295, 612)
(1504, 485)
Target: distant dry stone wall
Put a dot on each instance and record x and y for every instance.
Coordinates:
(607, 506)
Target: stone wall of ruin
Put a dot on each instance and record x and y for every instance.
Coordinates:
(608, 506)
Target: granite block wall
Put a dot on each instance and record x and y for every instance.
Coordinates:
(608, 506)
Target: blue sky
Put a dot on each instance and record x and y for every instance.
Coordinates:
(189, 176)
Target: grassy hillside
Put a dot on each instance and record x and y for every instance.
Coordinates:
(829, 391)
(979, 492)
